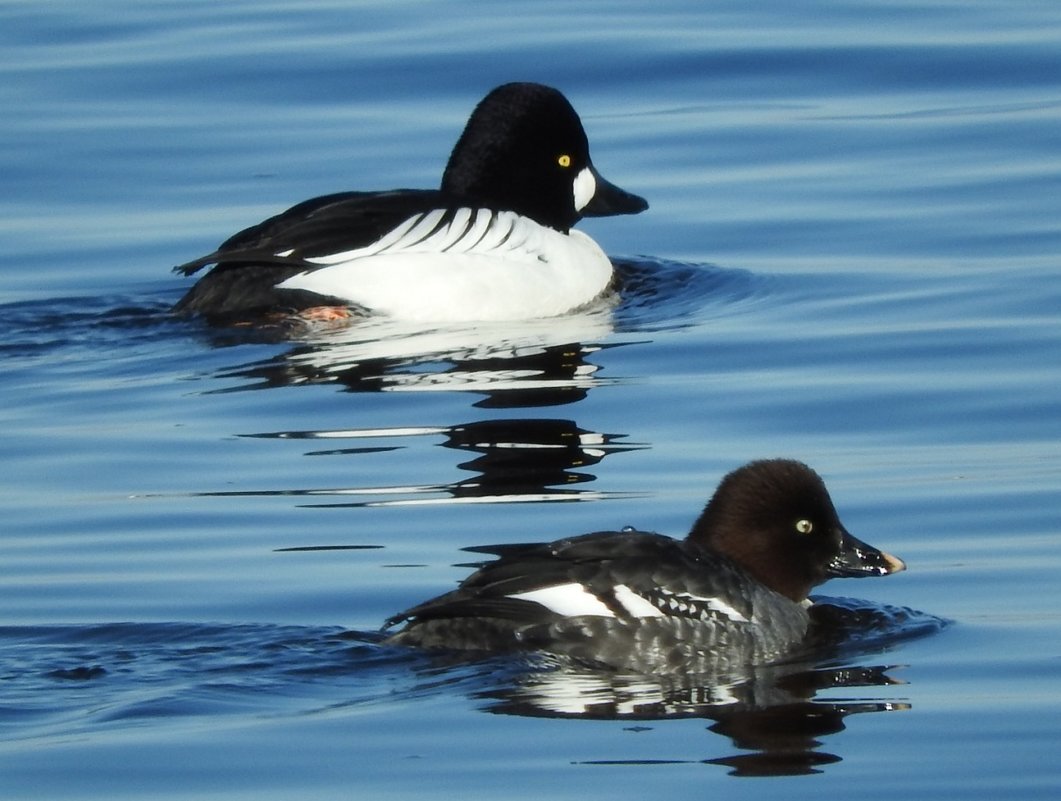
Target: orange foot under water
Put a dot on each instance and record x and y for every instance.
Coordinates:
(325, 314)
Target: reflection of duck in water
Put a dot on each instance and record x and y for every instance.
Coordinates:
(777, 714)
(517, 461)
(772, 714)
(495, 242)
(732, 594)
(517, 364)
(529, 459)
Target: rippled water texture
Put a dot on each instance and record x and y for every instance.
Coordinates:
(851, 258)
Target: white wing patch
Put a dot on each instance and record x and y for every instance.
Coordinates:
(685, 603)
(574, 600)
(437, 231)
(635, 604)
(569, 600)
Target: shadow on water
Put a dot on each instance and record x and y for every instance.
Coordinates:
(44, 327)
(661, 295)
(64, 680)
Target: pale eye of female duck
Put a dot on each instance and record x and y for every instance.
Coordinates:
(804, 526)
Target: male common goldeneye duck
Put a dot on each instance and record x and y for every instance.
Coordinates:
(493, 243)
(732, 594)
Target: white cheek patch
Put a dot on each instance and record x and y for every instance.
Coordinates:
(585, 186)
(569, 600)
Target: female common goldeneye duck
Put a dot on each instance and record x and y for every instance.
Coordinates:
(495, 242)
(732, 594)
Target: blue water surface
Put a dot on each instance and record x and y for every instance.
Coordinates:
(852, 257)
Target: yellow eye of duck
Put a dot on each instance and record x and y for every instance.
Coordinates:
(804, 526)
(564, 160)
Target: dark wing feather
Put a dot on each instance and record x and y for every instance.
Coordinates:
(234, 292)
(243, 284)
(587, 559)
(319, 227)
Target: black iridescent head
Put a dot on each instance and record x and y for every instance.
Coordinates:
(524, 150)
(775, 518)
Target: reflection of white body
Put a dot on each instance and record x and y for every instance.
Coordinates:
(487, 357)
(464, 348)
(573, 692)
(475, 264)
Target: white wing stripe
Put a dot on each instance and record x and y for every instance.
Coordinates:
(716, 604)
(383, 243)
(574, 600)
(499, 229)
(454, 231)
(467, 231)
(634, 603)
(474, 235)
(569, 600)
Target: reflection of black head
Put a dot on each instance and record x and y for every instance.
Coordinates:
(772, 763)
(528, 457)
